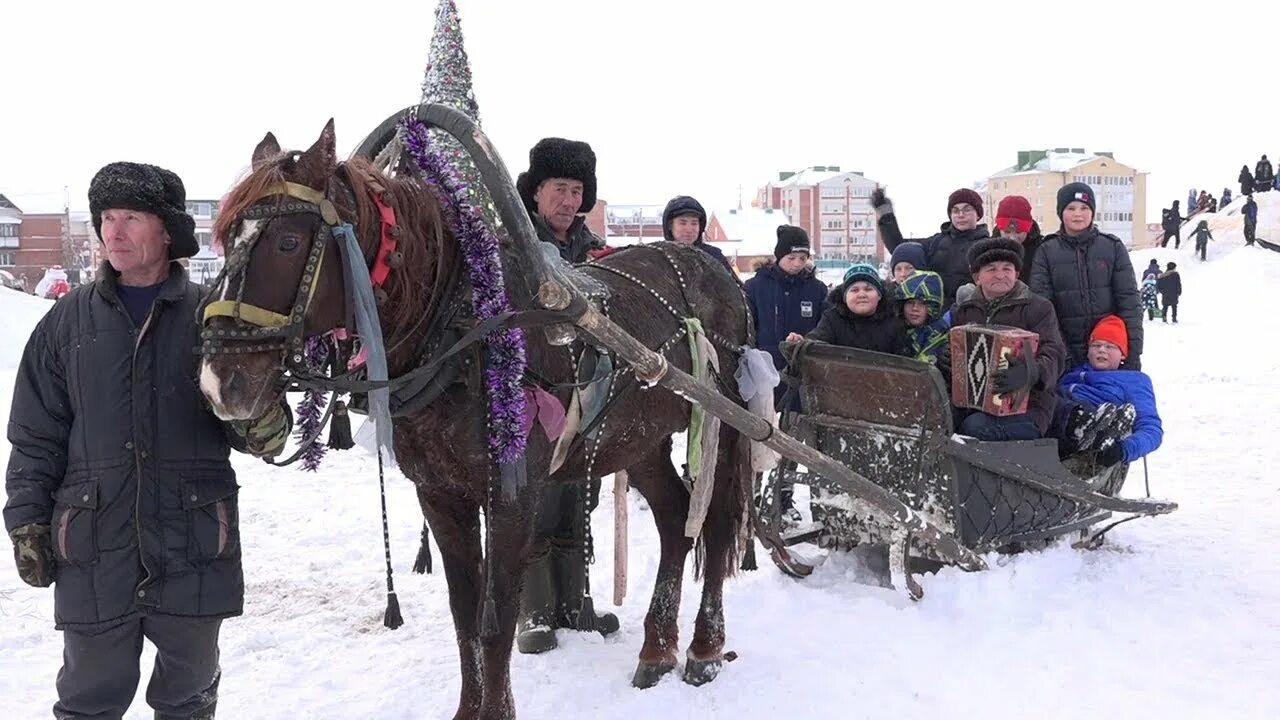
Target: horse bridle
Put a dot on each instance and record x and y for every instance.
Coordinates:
(268, 329)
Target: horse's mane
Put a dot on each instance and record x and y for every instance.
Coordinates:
(424, 238)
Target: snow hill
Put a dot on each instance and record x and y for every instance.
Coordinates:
(1176, 617)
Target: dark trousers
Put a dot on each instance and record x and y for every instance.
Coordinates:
(1250, 230)
(991, 427)
(1164, 312)
(100, 671)
(1177, 239)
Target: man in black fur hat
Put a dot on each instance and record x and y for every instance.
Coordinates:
(685, 222)
(120, 491)
(558, 190)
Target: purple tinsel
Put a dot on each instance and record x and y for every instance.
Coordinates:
(311, 409)
(506, 362)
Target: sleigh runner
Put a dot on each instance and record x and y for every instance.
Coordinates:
(890, 418)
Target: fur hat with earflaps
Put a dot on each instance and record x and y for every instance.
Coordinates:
(136, 186)
(559, 158)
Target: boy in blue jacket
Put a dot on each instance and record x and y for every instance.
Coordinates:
(785, 297)
(919, 298)
(1106, 409)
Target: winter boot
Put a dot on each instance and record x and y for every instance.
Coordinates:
(1095, 426)
(535, 631)
(576, 609)
(1121, 427)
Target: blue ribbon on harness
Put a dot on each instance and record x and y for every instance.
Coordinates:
(370, 332)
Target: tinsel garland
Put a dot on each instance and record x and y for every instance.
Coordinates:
(504, 370)
(311, 409)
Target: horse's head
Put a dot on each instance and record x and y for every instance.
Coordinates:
(283, 280)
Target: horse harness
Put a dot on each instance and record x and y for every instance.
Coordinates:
(451, 327)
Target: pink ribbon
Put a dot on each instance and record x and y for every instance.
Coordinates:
(546, 408)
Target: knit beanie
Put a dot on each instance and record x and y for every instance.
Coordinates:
(910, 252)
(1075, 191)
(863, 272)
(790, 239)
(1017, 209)
(965, 195)
(1111, 329)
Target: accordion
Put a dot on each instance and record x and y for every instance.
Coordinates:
(977, 352)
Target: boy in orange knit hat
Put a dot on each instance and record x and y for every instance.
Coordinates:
(1104, 409)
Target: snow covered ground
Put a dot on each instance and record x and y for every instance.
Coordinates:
(1176, 617)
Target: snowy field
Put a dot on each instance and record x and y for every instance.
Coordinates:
(1176, 617)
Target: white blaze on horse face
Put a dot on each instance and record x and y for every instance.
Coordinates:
(248, 229)
(210, 386)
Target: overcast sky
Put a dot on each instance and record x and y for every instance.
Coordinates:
(675, 96)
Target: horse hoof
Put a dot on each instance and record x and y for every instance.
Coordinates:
(701, 672)
(649, 673)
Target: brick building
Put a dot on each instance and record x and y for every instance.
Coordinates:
(833, 207)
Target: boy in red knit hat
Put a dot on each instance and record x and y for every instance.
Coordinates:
(1104, 409)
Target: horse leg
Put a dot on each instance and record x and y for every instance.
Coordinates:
(456, 523)
(720, 539)
(656, 478)
(509, 526)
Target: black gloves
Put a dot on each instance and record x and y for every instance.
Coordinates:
(1112, 454)
(1021, 373)
(878, 197)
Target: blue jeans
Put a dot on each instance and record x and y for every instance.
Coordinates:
(990, 427)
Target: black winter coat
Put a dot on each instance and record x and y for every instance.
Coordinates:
(882, 331)
(782, 304)
(1263, 175)
(1023, 309)
(1170, 287)
(1246, 181)
(1088, 277)
(947, 252)
(114, 447)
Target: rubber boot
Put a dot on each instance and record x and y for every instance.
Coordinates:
(536, 628)
(576, 610)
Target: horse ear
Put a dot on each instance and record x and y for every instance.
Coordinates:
(317, 162)
(266, 150)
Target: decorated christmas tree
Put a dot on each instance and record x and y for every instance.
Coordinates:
(447, 81)
(449, 170)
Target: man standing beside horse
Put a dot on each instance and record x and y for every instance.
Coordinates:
(120, 491)
(558, 189)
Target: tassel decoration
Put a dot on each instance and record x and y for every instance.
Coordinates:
(422, 564)
(340, 437)
(392, 618)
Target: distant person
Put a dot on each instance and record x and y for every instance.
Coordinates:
(1171, 221)
(1246, 180)
(1226, 198)
(1152, 271)
(1263, 176)
(1170, 287)
(1250, 221)
(1202, 236)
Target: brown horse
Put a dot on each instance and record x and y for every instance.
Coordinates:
(442, 447)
